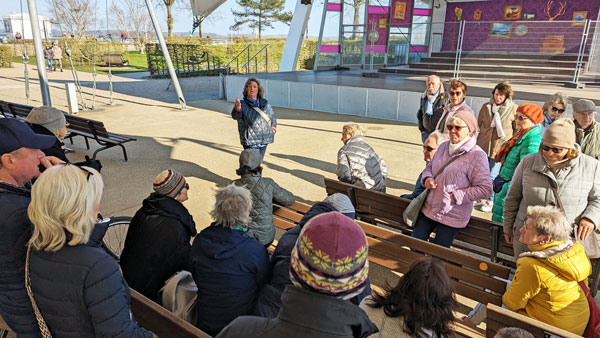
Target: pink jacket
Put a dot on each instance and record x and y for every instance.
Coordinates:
(464, 181)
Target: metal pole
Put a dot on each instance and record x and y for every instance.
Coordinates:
(39, 53)
(320, 35)
(163, 46)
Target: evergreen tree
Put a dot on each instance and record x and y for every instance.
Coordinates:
(260, 14)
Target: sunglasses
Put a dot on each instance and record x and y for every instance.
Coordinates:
(87, 172)
(455, 93)
(560, 111)
(522, 118)
(554, 150)
(451, 127)
(187, 186)
(428, 148)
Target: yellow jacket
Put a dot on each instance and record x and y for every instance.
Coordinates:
(545, 285)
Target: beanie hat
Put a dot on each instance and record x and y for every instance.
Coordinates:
(533, 111)
(47, 117)
(169, 183)
(330, 257)
(341, 203)
(560, 133)
(250, 158)
(468, 118)
(584, 106)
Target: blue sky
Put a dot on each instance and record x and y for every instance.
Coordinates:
(183, 19)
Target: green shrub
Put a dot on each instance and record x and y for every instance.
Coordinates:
(5, 56)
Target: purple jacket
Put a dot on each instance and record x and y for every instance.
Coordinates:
(464, 181)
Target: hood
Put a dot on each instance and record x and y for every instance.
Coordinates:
(568, 258)
(167, 206)
(218, 242)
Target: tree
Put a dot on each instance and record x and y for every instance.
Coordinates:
(169, 6)
(75, 16)
(131, 16)
(260, 14)
(355, 4)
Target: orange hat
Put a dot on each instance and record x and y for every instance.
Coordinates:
(533, 111)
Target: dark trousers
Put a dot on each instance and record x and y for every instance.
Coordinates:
(444, 235)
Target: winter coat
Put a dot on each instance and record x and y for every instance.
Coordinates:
(253, 128)
(428, 122)
(305, 314)
(359, 164)
(545, 286)
(264, 192)
(578, 188)
(157, 244)
(229, 267)
(488, 139)
(48, 53)
(464, 181)
(81, 292)
(449, 111)
(546, 123)
(15, 231)
(529, 144)
(56, 53)
(589, 140)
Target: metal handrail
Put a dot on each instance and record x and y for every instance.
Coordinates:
(236, 58)
(256, 60)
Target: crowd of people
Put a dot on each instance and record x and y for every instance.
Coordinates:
(537, 172)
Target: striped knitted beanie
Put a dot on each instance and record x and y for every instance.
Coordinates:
(330, 257)
(169, 183)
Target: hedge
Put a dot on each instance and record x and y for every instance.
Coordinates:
(5, 56)
(82, 50)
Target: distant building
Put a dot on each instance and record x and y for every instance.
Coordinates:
(12, 25)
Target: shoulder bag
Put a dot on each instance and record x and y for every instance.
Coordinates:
(44, 330)
(263, 114)
(411, 213)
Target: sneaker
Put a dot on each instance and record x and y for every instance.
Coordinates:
(487, 206)
(479, 203)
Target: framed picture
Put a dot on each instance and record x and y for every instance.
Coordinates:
(512, 12)
(521, 30)
(579, 18)
(400, 10)
(529, 17)
(500, 29)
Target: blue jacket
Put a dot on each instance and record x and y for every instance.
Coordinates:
(229, 267)
(253, 128)
(545, 124)
(419, 188)
(81, 293)
(15, 231)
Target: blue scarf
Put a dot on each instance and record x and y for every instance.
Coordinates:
(255, 102)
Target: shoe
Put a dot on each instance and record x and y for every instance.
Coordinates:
(487, 206)
(479, 203)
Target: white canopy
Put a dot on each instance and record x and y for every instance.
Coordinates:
(205, 7)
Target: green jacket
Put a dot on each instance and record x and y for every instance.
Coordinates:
(529, 144)
(589, 140)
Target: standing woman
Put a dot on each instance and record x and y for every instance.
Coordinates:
(587, 131)
(457, 95)
(554, 107)
(495, 123)
(257, 123)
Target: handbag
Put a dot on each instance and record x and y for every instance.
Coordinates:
(498, 183)
(592, 330)
(591, 243)
(411, 213)
(44, 330)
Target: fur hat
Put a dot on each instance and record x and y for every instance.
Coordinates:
(533, 111)
(169, 183)
(47, 117)
(561, 133)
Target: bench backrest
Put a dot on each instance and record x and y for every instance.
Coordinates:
(86, 125)
(498, 318)
(4, 110)
(19, 110)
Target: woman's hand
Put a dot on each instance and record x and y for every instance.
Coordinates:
(430, 183)
(238, 104)
(508, 238)
(585, 228)
(274, 129)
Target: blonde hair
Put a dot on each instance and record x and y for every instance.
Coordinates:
(353, 129)
(63, 200)
(557, 97)
(438, 136)
(550, 221)
(232, 206)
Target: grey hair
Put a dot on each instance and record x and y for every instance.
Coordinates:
(438, 136)
(557, 97)
(550, 221)
(261, 89)
(513, 332)
(232, 206)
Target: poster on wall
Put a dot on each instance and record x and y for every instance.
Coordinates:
(500, 29)
(512, 12)
(400, 13)
(377, 28)
(579, 18)
(521, 30)
(400, 10)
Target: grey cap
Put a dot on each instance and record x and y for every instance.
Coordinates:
(48, 117)
(342, 203)
(584, 106)
(250, 158)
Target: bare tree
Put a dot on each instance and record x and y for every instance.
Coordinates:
(131, 16)
(355, 4)
(75, 16)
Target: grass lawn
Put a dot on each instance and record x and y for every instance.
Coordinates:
(137, 63)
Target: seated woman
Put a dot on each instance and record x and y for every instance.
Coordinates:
(420, 305)
(357, 162)
(264, 192)
(229, 266)
(158, 239)
(78, 288)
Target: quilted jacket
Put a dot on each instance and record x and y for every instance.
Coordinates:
(464, 181)
(488, 138)
(589, 140)
(545, 286)
(253, 128)
(529, 144)
(578, 188)
(427, 122)
(359, 164)
(264, 192)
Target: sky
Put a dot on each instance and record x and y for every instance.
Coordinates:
(220, 22)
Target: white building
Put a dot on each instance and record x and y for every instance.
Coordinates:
(12, 26)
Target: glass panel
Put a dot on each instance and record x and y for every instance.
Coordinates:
(398, 45)
(331, 32)
(420, 30)
(354, 12)
(424, 4)
(352, 45)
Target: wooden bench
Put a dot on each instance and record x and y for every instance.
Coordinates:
(115, 60)
(4, 110)
(498, 318)
(19, 111)
(4, 328)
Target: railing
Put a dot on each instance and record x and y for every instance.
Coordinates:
(255, 58)
(246, 68)
(188, 60)
(236, 58)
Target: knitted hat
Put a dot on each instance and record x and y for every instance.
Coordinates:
(47, 117)
(342, 203)
(250, 158)
(169, 183)
(330, 257)
(533, 111)
(584, 106)
(561, 133)
(468, 117)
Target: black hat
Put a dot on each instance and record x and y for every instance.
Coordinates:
(15, 134)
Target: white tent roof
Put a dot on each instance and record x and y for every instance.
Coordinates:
(205, 7)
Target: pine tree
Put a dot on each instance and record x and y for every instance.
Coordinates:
(260, 14)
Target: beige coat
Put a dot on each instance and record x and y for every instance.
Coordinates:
(488, 138)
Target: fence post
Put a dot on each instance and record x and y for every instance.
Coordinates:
(461, 33)
(580, 54)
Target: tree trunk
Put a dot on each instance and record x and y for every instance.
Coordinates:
(260, 26)
(169, 18)
(356, 19)
(200, 28)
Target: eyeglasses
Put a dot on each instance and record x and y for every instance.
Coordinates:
(428, 148)
(554, 150)
(187, 186)
(457, 93)
(522, 117)
(560, 111)
(451, 127)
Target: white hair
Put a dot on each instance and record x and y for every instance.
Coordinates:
(550, 221)
(232, 206)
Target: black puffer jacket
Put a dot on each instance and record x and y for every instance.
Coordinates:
(157, 244)
(81, 293)
(264, 192)
(15, 231)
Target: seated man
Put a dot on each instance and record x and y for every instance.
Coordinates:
(429, 148)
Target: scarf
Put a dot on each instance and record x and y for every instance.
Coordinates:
(507, 146)
(452, 148)
(497, 120)
(429, 104)
(554, 165)
(256, 102)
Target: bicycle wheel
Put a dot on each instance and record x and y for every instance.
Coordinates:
(114, 239)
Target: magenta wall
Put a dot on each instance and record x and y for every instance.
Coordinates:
(477, 37)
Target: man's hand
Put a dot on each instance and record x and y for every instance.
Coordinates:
(238, 104)
(49, 161)
(430, 183)
(508, 238)
(274, 129)
(585, 228)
